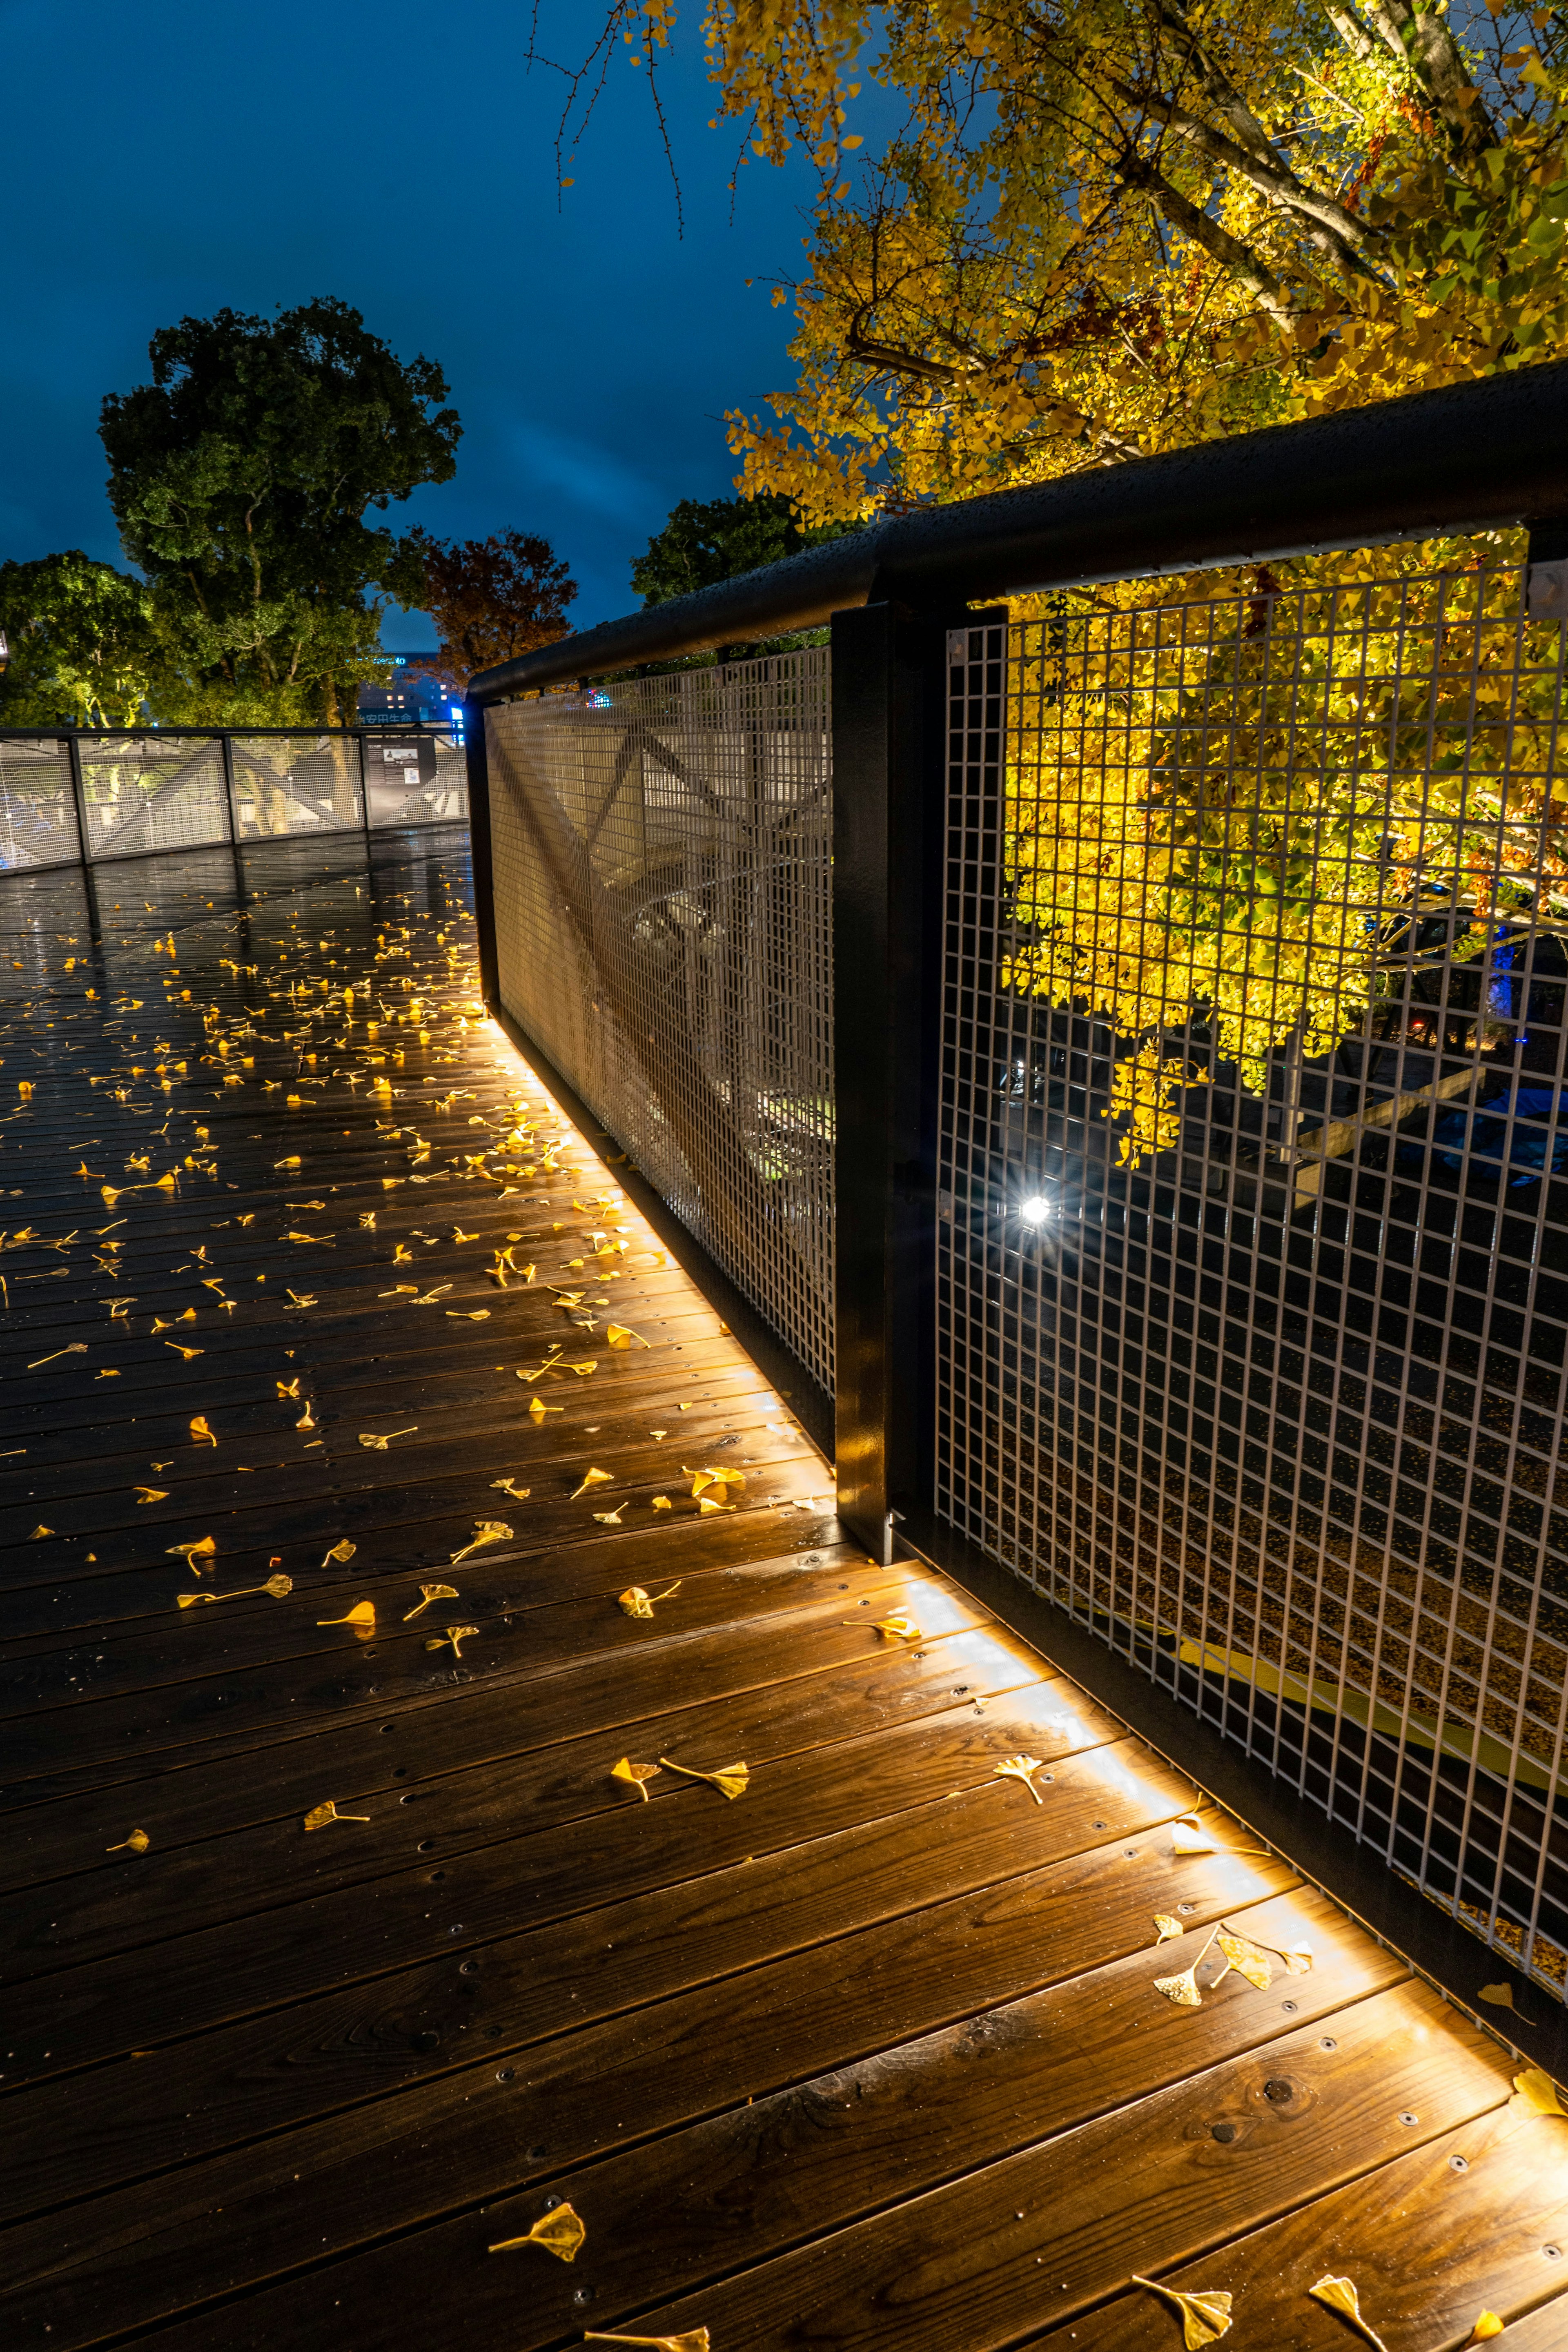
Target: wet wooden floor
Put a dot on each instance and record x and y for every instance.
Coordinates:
(871, 2053)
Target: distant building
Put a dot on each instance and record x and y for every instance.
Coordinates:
(417, 695)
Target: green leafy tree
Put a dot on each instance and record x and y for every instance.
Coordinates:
(242, 478)
(84, 648)
(708, 540)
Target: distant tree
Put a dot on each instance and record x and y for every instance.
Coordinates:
(708, 540)
(84, 648)
(241, 478)
(492, 598)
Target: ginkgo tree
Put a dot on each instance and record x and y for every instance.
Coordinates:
(1105, 231)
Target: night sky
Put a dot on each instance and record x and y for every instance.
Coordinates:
(182, 155)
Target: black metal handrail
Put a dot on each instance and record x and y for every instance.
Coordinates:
(1468, 457)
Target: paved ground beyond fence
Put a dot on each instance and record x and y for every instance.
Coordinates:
(364, 1450)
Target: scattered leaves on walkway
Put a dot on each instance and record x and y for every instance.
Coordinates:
(634, 1775)
(559, 2232)
(1339, 2294)
(431, 1592)
(1205, 2317)
(731, 1780)
(320, 1815)
(639, 1603)
(1021, 1767)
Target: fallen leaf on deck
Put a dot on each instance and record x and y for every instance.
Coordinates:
(702, 1479)
(486, 1532)
(193, 1600)
(455, 1635)
(188, 1353)
(368, 1437)
(280, 1587)
(1248, 1959)
(1166, 1927)
(308, 1418)
(662, 1503)
(1498, 1996)
(619, 1335)
(510, 1487)
(1488, 2324)
(1339, 2295)
(731, 1780)
(137, 1843)
(634, 1775)
(899, 1627)
(610, 1518)
(637, 1603)
(591, 1478)
(1205, 2317)
(151, 1494)
(304, 1300)
(202, 1549)
(432, 1593)
(538, 1408)
(1189, 1837)
(320, 1815)
(288, 1389)
(456, 1315)
(695, 2339)
(1020, 1767)
(558, 2233)
(362, 1613)
(1537, 2092)
(200, 1430)
(1184, 1988)
(341, 1553)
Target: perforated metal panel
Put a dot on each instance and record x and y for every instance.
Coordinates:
(296, 784)
(38, 804)
(152, 792)
(662, 890)
(1252, 1218)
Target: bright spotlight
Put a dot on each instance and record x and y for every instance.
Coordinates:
(1036, 1210)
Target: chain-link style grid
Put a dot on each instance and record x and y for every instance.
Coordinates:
(416, 779)
(148, 792)
(296, 784)
(37, 806)
(663, 918)
(1253, 1208)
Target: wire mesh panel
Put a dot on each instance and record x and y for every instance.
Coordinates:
(662, 890)
(37, 805)
(153, 792)
(296, 784)
(1253, 1206)
(415, 780)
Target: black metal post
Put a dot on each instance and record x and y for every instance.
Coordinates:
(888, 807)
(477, 754)
(358, 738)
(78, 794)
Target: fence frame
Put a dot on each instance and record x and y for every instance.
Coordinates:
(1468, 457)
(73, 738)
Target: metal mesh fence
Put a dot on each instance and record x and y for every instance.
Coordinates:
(296, 784)
(38, 807)
(1253, 1206)
(663, 914)
(150, 792)
(415, 780)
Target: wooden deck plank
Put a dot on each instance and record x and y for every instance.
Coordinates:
(793, 2058)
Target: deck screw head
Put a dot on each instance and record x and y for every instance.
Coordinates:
(1458, 2163)
(1288, 2007)
(1328, 2043)
(1406, 2118)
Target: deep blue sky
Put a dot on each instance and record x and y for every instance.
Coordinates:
(180, 155)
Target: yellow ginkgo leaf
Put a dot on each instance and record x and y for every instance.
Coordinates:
(456, 1314)
(1488, 2324)
(1189, 1836)
(307, 1419)
(510, 1487)
(637, 1603)
(591, 1478)
(1184, 1989)
(193, 1600)
(634, 1775)
(431, 1592)
(1498, 1996)
(695, 2339)
(610, 1518)
(1205, 2317)
(1537, 2092)
(342, 1552)
(39, 1530)
(1165, 1927)
(455, 1635)
(620, 1336)
(1248, 1959)
(200, 1430)
(362, 1613)
(486, 1532)
(189, 1354)
(538, 1408)
(204, 1547)
(731, 1780)
(662, 1503)
(288, 1389)
(1339, 2295)
(320, 1815)
(1298, 1959)
(1020, 1767)
(137, 1843)
(151, 1494)
(376, 1445)
(558, 2233)
(899, 1627)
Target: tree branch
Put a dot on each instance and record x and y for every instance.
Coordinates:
(1421, 38)
(1246, 266)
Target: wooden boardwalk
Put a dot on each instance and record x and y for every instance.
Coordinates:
(869, 2055)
